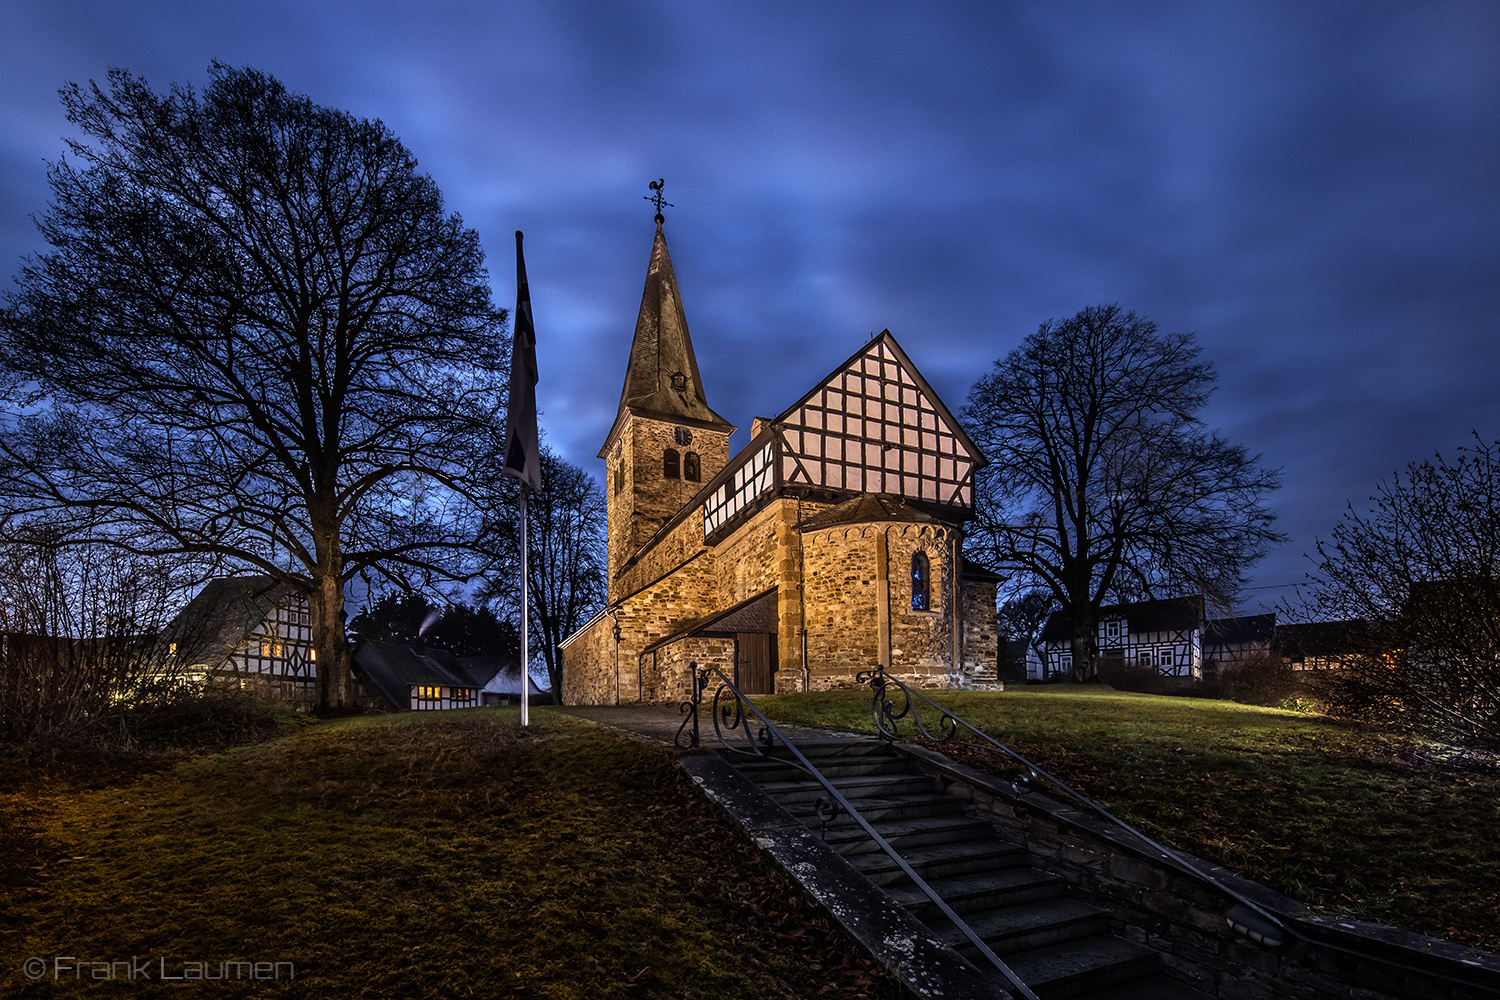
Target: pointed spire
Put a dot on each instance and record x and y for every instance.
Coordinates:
(662, 378)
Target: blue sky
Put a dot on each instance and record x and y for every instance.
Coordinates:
(1312, 189)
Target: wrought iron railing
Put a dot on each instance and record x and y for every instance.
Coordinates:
(734, 718)
(1246, 918)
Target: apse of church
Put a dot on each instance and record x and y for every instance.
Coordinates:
(830, 542)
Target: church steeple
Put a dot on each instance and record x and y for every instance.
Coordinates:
(666, 443)
(661, 378)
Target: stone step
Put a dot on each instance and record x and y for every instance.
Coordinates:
(1157, 987)
(1009, 930)
(777, 770)
(876, 808)
(859, 787)
(827, 748)
(974, 892)
(1084, 968)
(941, 861)
(908, 834)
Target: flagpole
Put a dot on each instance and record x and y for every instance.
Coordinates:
(522, 456)
(525, 606)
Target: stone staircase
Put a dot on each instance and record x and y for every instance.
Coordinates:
(1059, 946)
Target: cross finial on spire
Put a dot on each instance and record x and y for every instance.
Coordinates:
(657, 199)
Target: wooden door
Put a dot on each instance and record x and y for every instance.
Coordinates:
(755, 664)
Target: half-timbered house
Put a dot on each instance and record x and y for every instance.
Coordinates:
(252, 632)
(832, 541)
(1170, 638)
(408, 677)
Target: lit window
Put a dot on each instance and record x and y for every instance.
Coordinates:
(919, 601)
(312, 654)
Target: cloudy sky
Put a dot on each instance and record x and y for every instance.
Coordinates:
(1312, 189)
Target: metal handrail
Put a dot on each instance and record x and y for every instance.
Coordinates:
(887, 718)
(736, 717)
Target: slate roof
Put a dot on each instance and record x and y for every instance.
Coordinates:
(1166, 615)
(394, 667)
(223, 614)
(1301, 640)
(867, 508)
(754, 614)
(1244, 628)
(660, 349)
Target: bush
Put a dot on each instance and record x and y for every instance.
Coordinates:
(1259, 680)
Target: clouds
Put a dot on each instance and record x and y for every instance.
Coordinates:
(1310, 188)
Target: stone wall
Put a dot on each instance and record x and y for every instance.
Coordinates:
(1156, 903)
(589, 666)
(851, 571)
(647, 498)
(979, 651)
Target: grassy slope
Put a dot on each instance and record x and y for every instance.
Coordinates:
(441, 855)
(1326, 811)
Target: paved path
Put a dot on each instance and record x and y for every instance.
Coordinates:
(658, 723)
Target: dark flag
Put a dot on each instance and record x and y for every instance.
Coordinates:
(522, 455)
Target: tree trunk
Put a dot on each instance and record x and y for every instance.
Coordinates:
(326, 612)
(1085, 662)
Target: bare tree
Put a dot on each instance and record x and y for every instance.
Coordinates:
(81, 635)
(257, 337)
(1022, 616)
(1417, 582)
(566, 534)
(1101, 486)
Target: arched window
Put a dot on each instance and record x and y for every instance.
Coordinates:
(691, 467)
(919, 600)
(619, 475)
(670, 464)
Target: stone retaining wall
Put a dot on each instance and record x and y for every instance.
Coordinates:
(1153, 901)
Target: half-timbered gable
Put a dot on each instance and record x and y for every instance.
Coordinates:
(830, 542)
(253, 632)
(875, 426)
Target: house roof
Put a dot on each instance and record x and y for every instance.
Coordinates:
(754, 614)
(660, 350)
(1166, 615)
(1244, 628)
(1302, 639)
(971, 570)
(223, 614)
(483, 669)
(868, 507)
(394, 668)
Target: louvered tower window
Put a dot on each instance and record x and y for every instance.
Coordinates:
(692, 468)
(671, 464)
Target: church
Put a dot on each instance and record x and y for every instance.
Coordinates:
(832, 541)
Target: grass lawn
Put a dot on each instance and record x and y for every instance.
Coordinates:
(1332, 813)
(428, 855)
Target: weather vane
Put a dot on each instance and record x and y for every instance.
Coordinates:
(657, 199)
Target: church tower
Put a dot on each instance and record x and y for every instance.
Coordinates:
(665, 442)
